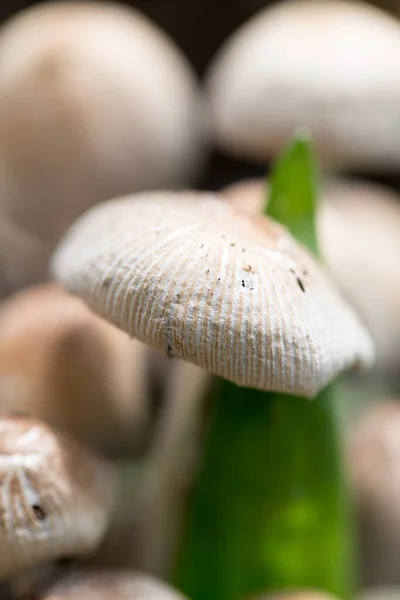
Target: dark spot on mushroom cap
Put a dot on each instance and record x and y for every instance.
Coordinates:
(301, 286)
(38, 512)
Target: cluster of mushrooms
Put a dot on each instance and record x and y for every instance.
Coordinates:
(103, 128)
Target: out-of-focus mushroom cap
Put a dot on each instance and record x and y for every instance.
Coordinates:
(63, 364)
(23, 258)
(55, 499)
(373, 458)
(324, 64)
(95, 101)
(238, 296)
(359, 230)
(115, 585)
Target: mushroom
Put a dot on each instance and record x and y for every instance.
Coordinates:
(95, 101)
(189, 275)
(61, 363)
(366, 272)
(111, 585)
(55, 496)
(323, 64)
(373, 457)
(227, 288)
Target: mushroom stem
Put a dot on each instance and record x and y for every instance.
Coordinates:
(269, 510)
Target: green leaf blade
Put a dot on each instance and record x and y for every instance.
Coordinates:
(294, 191)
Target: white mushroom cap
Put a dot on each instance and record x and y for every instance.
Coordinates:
(103, 585)
(324, 64)
(373, 458)
(359, 230)
(61, 363)
(238, 296)
(95, 101)
(55, 496)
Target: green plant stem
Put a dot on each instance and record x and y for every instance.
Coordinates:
(269, 510)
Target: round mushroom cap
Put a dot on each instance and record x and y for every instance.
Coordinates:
(103, 585)
(95, 101)
(56, 496)
(373, 458)
(366, 271)
(61, 363)
(189, 275)
(323, 64)
(299, 595)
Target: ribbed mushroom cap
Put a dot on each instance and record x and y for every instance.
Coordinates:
(95, 101)
(55, 496)
(324, 64)
(359, 230)
(63, 364)
(373, 458)
(189, 275)
(103, 585)
(300, 595)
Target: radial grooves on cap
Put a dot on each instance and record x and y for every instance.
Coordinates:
(238, 296)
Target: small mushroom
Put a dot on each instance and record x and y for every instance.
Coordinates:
(55, 496)
(323, 64)
(188, 275)
(103, 585)
(366, 271)
(62, 364)
(373, 457)
(95, 101)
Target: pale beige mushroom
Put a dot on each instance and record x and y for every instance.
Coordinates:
(373, 457)
(55, 496)
(63, 364)
(95, 101)
(187, 274)
(323, 64)
(112, 585)
(359, 230)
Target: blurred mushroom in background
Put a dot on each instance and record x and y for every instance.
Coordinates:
(359, 228)
(324, 64)
(61, 363)
(95, 101)
(56, 496)
(373, 457)
(110, 585)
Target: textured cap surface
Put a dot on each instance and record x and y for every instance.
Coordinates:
(323, 64)
(359, 231)
(237, 296)
(55, 496)
(123, 585)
